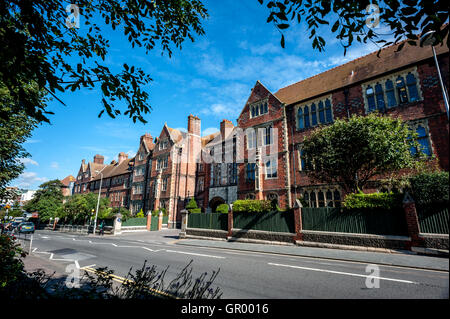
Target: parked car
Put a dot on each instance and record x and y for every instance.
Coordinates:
(26, 227)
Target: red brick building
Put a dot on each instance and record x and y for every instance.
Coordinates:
(261, 157)
(115, 180)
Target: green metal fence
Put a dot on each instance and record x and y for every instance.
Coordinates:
(433, 218)
(377, 222)
(137, 221)
(208, 221)
(165, 220)
(154, 223)
(272, 221)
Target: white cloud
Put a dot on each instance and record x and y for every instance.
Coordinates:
(54, 165)
(27, 179)
(28, 161)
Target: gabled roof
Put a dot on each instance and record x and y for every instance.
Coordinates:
(358, 70)
(66, 181)
(114, 169)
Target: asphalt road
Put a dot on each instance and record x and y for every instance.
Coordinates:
(243, 274)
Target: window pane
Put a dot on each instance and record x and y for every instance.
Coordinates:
(321, 199)
(313, 199)
(321, 113)
(328, 111)
(412, 87)
(301, 124)
(370, 99)
(390, 94)
(424, 146)
(379, 97)
(265, 108)
(306, 117)
(261, 109)
(401, 90)
(313, 115)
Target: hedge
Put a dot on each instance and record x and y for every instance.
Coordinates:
(222, 208)
(430, 187)
(374, 200)
(252, 206)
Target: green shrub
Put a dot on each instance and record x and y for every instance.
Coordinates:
(222, 208)
(252, 206)
(140, 214)
(192, 205)
(195, 210)
(374, 200)
(430, 187)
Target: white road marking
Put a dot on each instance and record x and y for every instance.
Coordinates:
(344, 273)
(195, 254)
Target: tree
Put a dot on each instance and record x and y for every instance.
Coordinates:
(47, 200)
(352, 20)
(351, 152)
(41, 43)
(15, 129)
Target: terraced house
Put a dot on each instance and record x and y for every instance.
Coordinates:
(261, 157)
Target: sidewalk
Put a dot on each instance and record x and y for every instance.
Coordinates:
(400, 258)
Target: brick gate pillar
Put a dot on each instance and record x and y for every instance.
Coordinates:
(298, 220)
(412, 221)
(230, 220)
(149, 220)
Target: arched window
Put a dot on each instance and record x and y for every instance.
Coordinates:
(306, 117)
(306, 198)
(329, 116)
(313, 199)
(391, 101)
(401, 90)
(379, 97)
(337, 198)
(370, 98)
(321, 199)
(301, 123)
(321, 113)
(313, 115)
(329, 197)
(412, 87)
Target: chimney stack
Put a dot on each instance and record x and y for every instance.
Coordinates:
(148, 139)
(226, 127)
(122, 156)
(98, 159)
(194, 124)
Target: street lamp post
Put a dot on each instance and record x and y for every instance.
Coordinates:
(98, 200)
(428, 39)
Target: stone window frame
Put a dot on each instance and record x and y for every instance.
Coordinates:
(324, 190)
(414, 124)
(309, 103)
(393, 77)
(258, 105)
(271, 170)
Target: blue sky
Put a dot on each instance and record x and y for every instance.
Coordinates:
(210, 78)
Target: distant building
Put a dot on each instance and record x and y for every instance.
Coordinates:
(69, 183)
